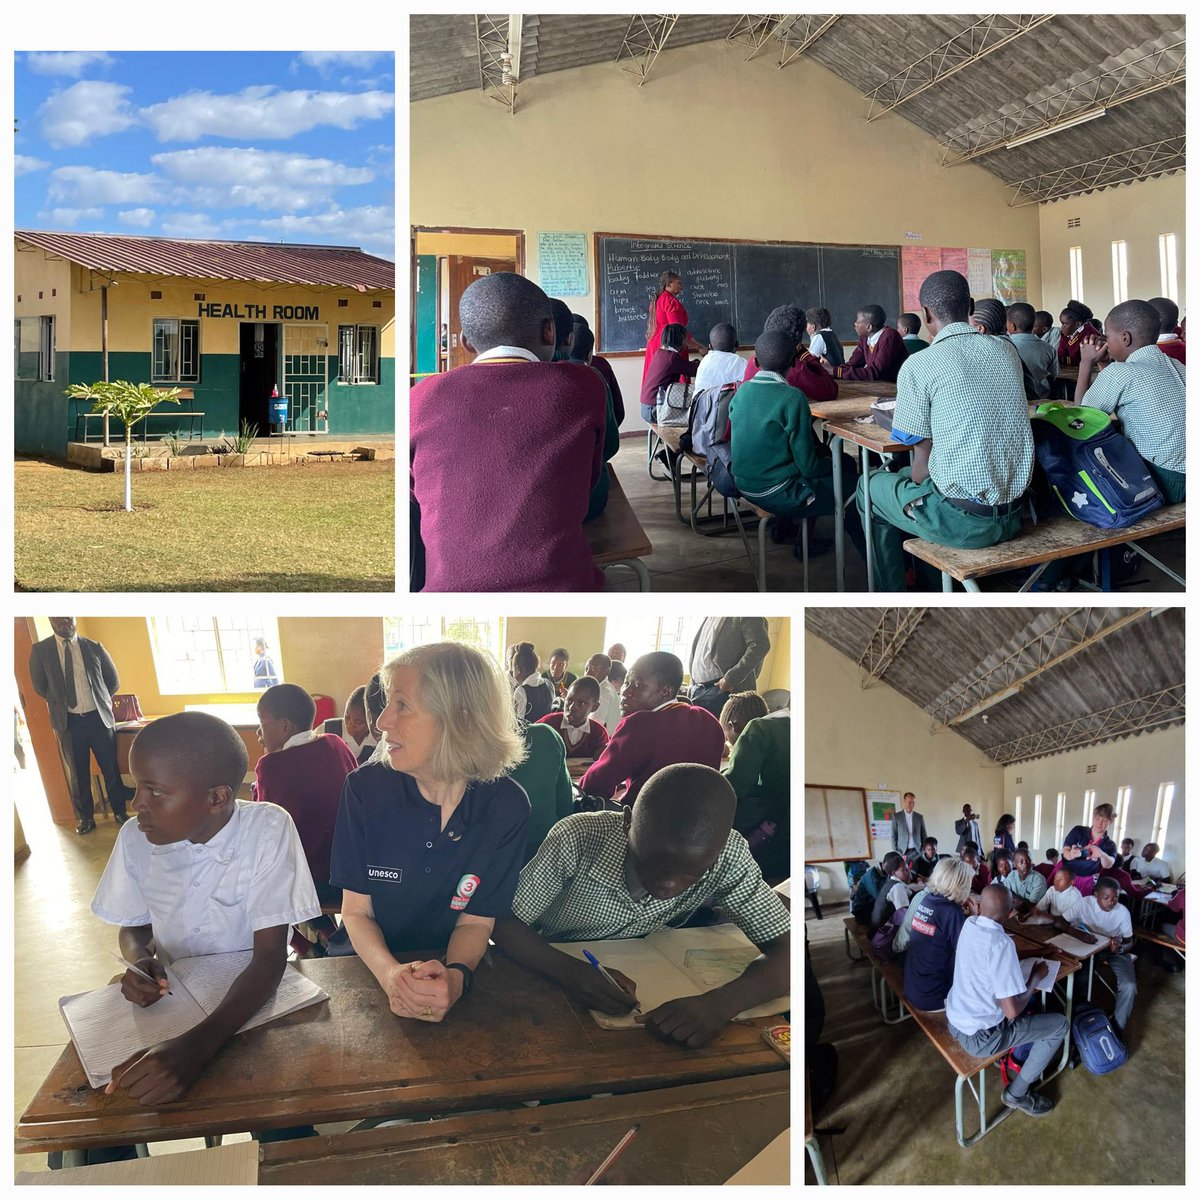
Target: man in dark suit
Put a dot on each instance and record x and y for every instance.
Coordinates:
(77, 677)
(727, 655)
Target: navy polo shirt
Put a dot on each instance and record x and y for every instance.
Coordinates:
(1081, 836)
(929, 960)
(388, 844)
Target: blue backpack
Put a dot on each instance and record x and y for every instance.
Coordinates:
(1099, 1047)
(1092, 468)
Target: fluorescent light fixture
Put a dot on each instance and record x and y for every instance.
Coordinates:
(1070, 123)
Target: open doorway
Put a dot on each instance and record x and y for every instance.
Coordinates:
(259, 361)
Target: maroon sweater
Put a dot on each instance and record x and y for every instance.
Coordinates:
(807, 376)
(307, 780)
(645, 742)
(666, 366)
(503, 455)
(883, 361)
(590, 747)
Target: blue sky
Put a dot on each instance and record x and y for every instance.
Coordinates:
(294, 147)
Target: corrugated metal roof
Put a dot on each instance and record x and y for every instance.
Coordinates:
(952, 645)
(866, 51)
(247, 262)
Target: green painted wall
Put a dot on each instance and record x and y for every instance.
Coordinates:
(363, 407)
(40, 412)
(426, 316)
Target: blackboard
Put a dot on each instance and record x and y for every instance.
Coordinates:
(739, 282)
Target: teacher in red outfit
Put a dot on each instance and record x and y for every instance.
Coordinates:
(665, 309)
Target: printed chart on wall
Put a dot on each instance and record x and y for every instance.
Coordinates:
(997, 273)
(883, 805)
(562, 264)
(836, 826)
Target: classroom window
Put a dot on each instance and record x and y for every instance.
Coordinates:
(175, 352)
(358, 354)
(1124, 798)
(1077, 272)
(403, 633)
(1060, 818)
(1036, 840)
(205, 655)
(1017, 814)
(1120, 265)
(1162, 815)
(1168, 266)
(641, 635)
(33, 349)
(1089, 803)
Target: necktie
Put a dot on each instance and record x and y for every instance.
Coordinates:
(69, 675)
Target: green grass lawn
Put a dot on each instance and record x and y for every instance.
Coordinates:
(328, 527)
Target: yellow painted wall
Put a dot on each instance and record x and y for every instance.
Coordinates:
(581, 636)
(777, 667)
(1136, 214)
(481, 245)
(33, 272)
(875, 738)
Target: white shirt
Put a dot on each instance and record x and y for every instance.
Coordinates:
(898, 893)
(1155, 869)
(718, 367)
(210, 898)
(1060, 904)
(704, 667)
(574, 734)
(871, 342)
(520, 699)
(986, 970)
(816, 343)
(357, 747)
(84, 702)
(909, 839)
(300, 739)
(609, 712)
(1115, 924)
(1167, 337)
(507, 352)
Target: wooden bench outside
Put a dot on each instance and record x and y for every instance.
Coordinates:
(1039, 545)
(616, 536)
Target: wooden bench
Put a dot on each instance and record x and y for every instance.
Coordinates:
(1039, 545)
(616, 536)
(1160, 939)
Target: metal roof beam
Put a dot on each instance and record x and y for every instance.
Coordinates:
(643, 43)
(1125, 166)
(895, 627)
(975, 43)
(1161, 68)
(1158, 709)
(798, 33)
(753, 31)
(497, 78)
(1073, 630)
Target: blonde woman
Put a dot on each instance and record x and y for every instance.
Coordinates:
(935, 919)
(430, 838)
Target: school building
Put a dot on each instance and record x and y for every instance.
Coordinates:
(238, 325)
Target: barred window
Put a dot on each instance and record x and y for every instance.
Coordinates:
(358, 354)
(176, 351)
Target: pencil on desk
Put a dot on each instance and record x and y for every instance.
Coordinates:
(612, 1157)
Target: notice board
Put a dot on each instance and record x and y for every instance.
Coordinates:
(836, 825)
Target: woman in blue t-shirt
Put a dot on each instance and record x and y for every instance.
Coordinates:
(937, 917)
(1002, 840)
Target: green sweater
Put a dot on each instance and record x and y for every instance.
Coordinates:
(772, 440)
(914, 343)
(760, 770)
(544, 777)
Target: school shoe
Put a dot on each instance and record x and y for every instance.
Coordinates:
(120, 818)
(1032, 1103)
(86, 825)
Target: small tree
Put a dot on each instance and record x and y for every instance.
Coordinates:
(130, 403)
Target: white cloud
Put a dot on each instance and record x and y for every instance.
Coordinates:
(190, 225)
(141, 217)
(369, 226)
(71, 216)
(65, 62)
(97, 186)
(85, 110)
(23, 164)
(324, 60)
(262, 112)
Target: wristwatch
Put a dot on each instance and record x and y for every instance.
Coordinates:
(467, 974)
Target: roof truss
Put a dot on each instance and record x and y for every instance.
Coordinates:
(797, 33)
(975, 42)
(643, 43)
(499, 62)
(1126, 166)
(1162, 67)
(990, 683)
(1133, 716)
(896, 626)
(752, 31)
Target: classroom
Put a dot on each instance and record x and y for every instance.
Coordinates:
(995, 812)
(804, 177)
(296, 992)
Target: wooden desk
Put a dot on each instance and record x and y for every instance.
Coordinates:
(517, 1037)
(701, 1133)
(858, 388)
(616, 537)
(577, 767)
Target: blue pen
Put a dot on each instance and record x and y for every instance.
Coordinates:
(596, 963)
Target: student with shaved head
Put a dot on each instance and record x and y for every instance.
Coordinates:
(505, 452)
(909, 325)
(808, 373)
(1040, 359)
(1045, 330)
(624, 875)
(880, 352)
(1143, 388)
(1169, 341)
(722, 364)
(961, 406)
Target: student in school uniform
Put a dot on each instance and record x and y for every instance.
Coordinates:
(925, 862)
(581, 736)
(533, 695)
(1144, 389)
(806, 374)
(962, 408)
(200, 872)
(981, 873)
(544, 779)
(656, 730)
(1040, 358)
(616, 676)
(586, 353)
(505, 452)
(985, 1007)
(1125, 854)
(722, 364)
(990, 317)
(1046, 869)
(937, 918)
(356, 726)
(1045, 330)
(669, 364)
(1169, 340)
(1076, 322)
(760, 771)
(556, 673)
(1026, 884)
(894, 894)
(880, 352)
(1148, 865)
(610, 875)
(822, 341)
(609, 712)
(1059, 900)
(909, 325)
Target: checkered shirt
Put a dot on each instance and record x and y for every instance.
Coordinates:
(966, 393)
(1146, 393)
(574, 888)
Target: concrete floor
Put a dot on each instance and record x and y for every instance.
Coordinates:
(684, 561)
(894, 1097)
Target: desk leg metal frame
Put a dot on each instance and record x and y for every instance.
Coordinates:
(980, 1096)
(902, 1013)
(1179, 579)
(839, 515)
(653, 442)
(818, 1163)
(637, 567)
(852, 957)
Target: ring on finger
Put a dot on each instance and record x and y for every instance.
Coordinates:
(427, 1011)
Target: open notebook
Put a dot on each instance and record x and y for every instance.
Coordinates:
(106, 1028)
(670, 963)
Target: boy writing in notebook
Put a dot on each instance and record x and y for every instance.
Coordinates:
(624, 875)
(201, 872)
